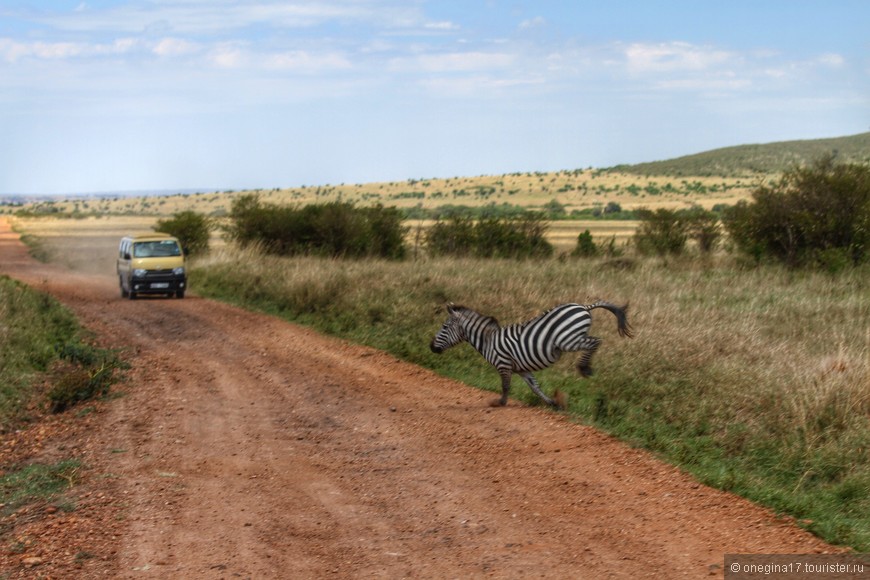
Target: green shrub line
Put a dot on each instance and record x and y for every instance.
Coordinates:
(517, 237)
(732, 375)
(335, 229)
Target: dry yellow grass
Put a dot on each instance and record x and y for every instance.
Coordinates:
(104, 232)
(576, 190)
(88, 244)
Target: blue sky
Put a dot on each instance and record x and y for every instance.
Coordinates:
(111, 95)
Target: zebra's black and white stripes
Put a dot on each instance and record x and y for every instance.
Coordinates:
(529, 346)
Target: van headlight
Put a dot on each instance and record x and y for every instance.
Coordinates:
(178, 271)
(139, 272)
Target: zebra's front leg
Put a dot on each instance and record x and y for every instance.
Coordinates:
(588, 345)
(505, 388)
(533, 384)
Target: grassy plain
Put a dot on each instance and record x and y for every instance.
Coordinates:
(576, 190)
(81, 243)
(87, 244)
(756, 380)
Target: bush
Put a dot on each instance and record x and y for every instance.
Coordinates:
(703, 228)
(191, 229)
(662, 232)
(519, 237)
(586, 247)
(814, 215)
(666, 231)
(454, 237)
(336, 229)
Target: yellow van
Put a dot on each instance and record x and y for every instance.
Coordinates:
(151, 264)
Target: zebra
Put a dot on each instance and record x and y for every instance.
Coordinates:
(528, 346)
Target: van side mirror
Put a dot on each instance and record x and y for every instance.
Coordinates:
(126, 255)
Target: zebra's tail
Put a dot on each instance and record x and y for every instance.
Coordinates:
(622, 325)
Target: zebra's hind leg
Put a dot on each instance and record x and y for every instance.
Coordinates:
(533, 384)
(588, 345)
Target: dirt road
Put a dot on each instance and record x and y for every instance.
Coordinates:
(247, 447)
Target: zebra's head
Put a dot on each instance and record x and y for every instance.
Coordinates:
(452, 331)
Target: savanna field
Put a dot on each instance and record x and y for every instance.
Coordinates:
(752, 375)
(757, 380)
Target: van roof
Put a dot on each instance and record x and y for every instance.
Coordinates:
(150, 236)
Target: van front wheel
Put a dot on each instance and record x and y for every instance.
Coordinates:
(123, 291)
(179, 293)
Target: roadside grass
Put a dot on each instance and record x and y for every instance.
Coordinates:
(45, 363)
(32, 325)
(37, 246)
(42, 342)
(756, 380)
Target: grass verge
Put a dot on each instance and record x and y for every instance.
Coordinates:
(45, 363)
(42, 342)
(757, 380)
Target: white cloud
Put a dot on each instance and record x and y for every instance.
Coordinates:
(305, 61)
(726, 83)
(536, 22)
(229, 55)
(445, 26)
(175, 47)
(13, 51)
(453, 62)
(209, 17)
(674, 56)
(473, 85)
(831, 60)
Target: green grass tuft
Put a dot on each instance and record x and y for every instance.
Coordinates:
(37, 482)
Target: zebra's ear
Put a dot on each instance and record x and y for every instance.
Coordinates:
(452, 308)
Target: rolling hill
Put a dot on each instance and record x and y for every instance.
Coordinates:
(749, 160)
(720, 176)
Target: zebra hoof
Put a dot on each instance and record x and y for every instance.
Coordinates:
(560, 400)
(497, 403)
(585, 372)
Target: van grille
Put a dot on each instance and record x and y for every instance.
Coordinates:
(150, 274)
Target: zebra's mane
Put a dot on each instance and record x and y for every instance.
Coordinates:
(466, 312)
(525, 323)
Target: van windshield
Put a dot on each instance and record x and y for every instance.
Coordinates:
(158, 249)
